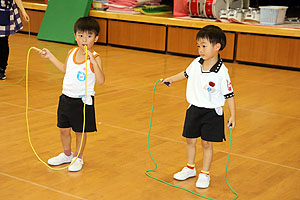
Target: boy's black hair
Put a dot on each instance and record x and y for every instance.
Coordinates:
(213, 34)
(87, 24)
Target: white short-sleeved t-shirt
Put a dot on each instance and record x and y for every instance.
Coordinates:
(208, 89)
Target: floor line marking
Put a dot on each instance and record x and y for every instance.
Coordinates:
(161, 137)
(178, 141)
(42, 186)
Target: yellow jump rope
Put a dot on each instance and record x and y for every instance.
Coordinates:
(27, 121)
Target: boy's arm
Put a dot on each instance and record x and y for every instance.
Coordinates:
(231, 105)
(97, 66)
(178, 77)
(58, 64)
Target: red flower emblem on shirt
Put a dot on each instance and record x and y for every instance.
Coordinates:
(211, 84)
(229, 87)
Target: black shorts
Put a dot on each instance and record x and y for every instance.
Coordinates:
(70, 114)
(204, 123)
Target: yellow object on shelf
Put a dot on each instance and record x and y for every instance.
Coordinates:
(98, 5)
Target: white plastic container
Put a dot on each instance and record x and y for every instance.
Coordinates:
(271, 15)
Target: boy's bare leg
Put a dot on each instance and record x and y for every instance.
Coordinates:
(66, 138)
(207, 154)
(190, 170)
(191, 150)
(78, 142)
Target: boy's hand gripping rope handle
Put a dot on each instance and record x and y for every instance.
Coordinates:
(27, 121)
(166, 83)
(146, 172)
(38, 50)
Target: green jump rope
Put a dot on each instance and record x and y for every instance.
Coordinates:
(150, 170)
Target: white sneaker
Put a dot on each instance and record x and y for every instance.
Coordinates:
(185, 173)
(203, 181)
(76, 166)
(60, 159)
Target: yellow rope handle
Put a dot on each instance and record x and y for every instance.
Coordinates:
(27, 121)
(38, 50)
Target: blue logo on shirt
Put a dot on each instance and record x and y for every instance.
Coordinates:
(81, 76)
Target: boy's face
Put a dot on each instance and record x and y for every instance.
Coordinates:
(85, 38)
(206, 49)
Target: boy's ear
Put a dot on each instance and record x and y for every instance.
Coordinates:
(218, 46)
(96, 38)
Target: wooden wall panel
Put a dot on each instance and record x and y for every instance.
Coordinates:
(183, 40)
(103, 30)
(36, 18)
(130, 34)
(268, 50)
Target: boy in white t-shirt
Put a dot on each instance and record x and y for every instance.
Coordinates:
(208, 85)
(71, 102)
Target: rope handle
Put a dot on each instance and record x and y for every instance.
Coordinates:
(38, 50)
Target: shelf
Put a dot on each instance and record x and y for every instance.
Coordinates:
(172, 21)
(270, 45)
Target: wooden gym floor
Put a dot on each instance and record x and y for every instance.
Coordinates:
(265, 159)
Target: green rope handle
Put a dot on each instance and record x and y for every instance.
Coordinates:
(150, 170)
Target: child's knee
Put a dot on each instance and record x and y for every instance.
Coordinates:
(191, 141)
(64, 131)
(79, 134)
(206, 144)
